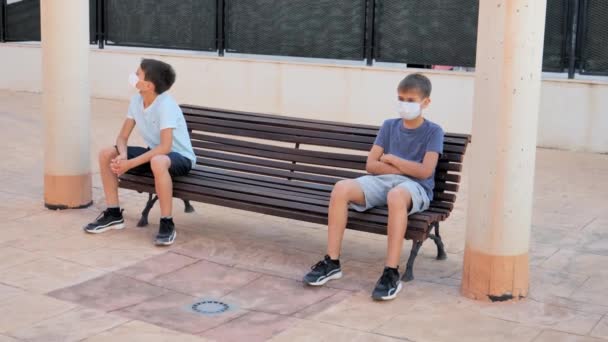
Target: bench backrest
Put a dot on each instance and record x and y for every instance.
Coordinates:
(302, 150)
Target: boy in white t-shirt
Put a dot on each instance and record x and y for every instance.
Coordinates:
(169, 153)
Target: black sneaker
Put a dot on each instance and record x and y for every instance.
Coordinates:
(166, 233)
(108, 219)
(388, 285)
(324, 271)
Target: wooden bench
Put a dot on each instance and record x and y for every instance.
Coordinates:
(286, 167)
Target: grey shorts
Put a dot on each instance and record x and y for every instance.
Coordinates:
(376, 190)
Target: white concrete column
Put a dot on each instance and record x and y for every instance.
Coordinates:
(505, 119)
(66, 103)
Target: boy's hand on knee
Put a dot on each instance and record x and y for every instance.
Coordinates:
(119, 157)
(120, 166)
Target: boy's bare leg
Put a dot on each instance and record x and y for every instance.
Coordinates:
(399, 201)
(344, 192)
(160, 165)
(108, 178)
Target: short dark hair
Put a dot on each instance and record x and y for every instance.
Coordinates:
(159, 73)
(417, 82)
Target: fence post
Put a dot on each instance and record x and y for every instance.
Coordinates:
(3, 17)
(369, 31)
(220, 27)
(100, 23)
(571, 39)
(581, 32)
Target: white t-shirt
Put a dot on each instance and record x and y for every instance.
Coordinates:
(163, 113)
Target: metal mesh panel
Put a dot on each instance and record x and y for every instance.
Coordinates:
(304, 28)
(23, 21)
(430, 32)
(180, 24)
(595, 40)
(556, 30)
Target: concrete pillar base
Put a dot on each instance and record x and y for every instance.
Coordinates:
(494, 278)
(67, 192)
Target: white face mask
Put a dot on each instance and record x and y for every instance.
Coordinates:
(133, 80)
(408, 110)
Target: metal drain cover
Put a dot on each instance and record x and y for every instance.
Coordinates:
(210, 307)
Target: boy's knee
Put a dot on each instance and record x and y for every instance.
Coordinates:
(342, 189)
(398, 197)
(160, 163)
(108, 153)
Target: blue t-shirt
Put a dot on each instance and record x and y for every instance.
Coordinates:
(412, 144)
(163, 113)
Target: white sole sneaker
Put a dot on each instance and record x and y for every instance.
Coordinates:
(167, 243)
(106, 228)
(399, 287)
(334, 276)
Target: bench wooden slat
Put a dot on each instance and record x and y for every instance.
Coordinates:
(443, 196)
(268, 171)
(442, 205)
(248, 181)
(206, 154)
(447, 166)
(452, 157)
(447, 177)
(271, 180)
(453, 149)
(282, 137)
(281, 149)
(446, 186)
(285, 130)
(274, 155)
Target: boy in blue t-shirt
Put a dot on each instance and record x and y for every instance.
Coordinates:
(169, 153)
(402, 163)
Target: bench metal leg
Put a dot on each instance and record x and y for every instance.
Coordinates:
(441, 255)
(409, 271)
(143, 221)
(188, 208)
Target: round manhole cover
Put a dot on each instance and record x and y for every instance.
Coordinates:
(210, 307)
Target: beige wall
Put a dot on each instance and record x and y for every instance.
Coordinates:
(574, 114)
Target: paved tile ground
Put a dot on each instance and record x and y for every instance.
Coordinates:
(59, 284)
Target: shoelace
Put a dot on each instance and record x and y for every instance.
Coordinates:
(386, 277)
(320, 265)
(165, 229)
(103, 214)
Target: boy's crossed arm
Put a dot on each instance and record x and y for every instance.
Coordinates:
(379, 163)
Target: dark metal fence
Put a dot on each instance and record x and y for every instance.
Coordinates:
(175, 24)
(430, 32)
(22, 20)
(422, 33)
(557, 28)
(303, 28)
(594, 37)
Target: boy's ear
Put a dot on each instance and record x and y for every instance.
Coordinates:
(150, 86)
(426, 102)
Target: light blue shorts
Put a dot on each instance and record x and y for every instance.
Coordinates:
(376, 190)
